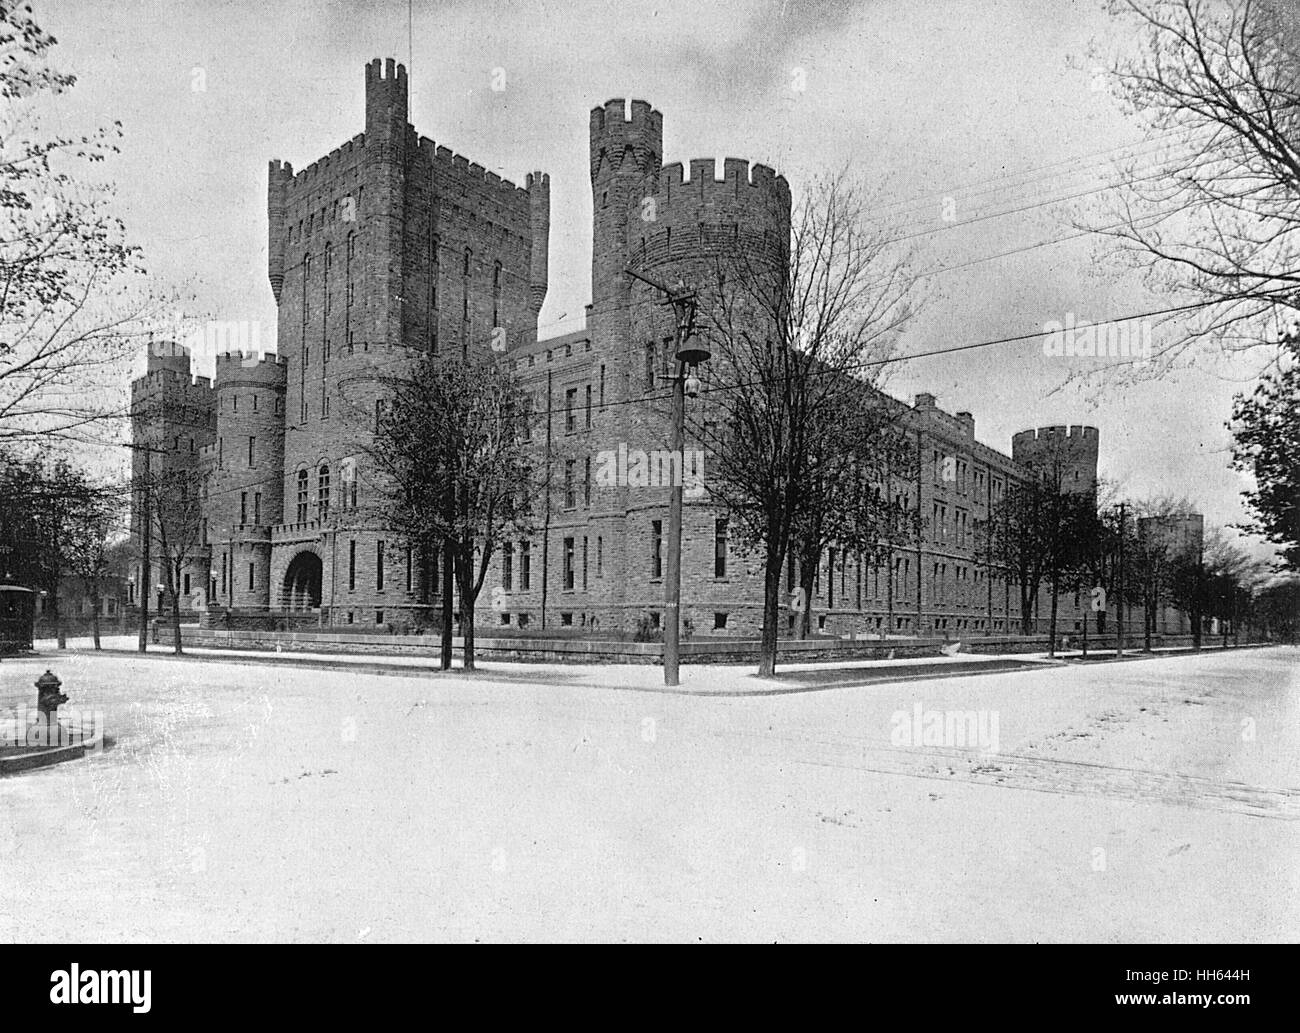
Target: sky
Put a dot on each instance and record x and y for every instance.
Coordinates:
(980, 127)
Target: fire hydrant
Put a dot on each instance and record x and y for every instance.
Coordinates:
(48, 696)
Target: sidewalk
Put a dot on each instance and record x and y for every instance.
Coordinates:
(696, 679)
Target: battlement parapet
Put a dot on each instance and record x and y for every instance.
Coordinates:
(1074, 433)
(386, 95)
(736, 173)
(617, 127)
(173, 382)
(238, 368)
(341, 159)
(448, 164)
(752, 196)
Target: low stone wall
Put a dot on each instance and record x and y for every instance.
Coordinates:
(737, 651)
(81, 627)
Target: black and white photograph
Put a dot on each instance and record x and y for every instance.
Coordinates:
(578, 472)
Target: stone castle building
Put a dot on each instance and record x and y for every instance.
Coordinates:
(392, 245)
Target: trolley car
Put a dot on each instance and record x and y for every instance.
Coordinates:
(17, 614)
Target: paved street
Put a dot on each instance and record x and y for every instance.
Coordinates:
(1155, 800)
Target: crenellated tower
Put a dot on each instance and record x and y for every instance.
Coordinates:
(246, 476)
(279, 177)
(389, 245)
(539, 224)
(1065, 452)
(626, 154)
(173, 420)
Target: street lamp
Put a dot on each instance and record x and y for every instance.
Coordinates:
(689, 353)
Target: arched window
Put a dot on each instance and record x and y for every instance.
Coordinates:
(323, 491)
(302, 496)
(468, 254)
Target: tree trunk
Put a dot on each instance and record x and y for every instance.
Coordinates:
(94, 610)
(771, 613)
(59, 635)
(1056, 591)
(465, 579)
(448, 577)
(172, 577)
(808, 563)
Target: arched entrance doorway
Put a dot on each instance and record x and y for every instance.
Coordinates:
(301, 589)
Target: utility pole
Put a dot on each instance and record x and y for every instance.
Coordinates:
(1119, 590)
(687, 356)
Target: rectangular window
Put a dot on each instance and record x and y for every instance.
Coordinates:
(410, 569)
(252, 452)
(584, 562)
(570, 410)
(602, 386)
(379, 566)
(525, 566)
(650, 365)
(586, 482)
(568, 564)
(589, 407)
(243, 507)
(508, 567)
(257, 508)
(656, 548)
(720, 547)
(600, 556)
(250, 577)
(352, 565)
(570, 493)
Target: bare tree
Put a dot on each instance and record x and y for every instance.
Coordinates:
(1043, 531)
(798, 327)
(95, 530)
(452, 466)
(72, 307)
(176, 513)
(1219, 82)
